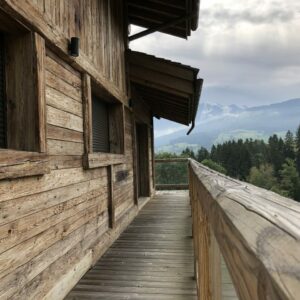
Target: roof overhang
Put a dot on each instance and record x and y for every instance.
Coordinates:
(170, 89)
(153, 14)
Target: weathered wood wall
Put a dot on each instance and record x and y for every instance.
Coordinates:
(100, 27)
(54, 227)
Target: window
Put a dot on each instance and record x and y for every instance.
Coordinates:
(22, 101)
(103, 126)
(21, 93)
(100, 117)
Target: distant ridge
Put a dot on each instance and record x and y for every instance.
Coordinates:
(217, 123)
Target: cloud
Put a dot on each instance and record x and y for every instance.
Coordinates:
(255, 14)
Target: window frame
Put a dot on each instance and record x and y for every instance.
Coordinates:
(16, 163)
(100, 159)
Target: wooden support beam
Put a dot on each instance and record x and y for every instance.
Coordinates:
(160, 27)
(134, 160)
(87, 113)
(111, 203)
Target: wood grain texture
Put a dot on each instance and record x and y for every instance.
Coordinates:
(23, 68)
(87, 111)
(56, 20)
(54, 227)
(16, 164)
(40, 85)
(157, 268)
(96, 160)
(111, 197)
(258, 233)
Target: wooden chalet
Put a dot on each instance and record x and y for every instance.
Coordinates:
(79, 215)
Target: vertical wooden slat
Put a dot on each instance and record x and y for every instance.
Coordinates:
(152, 153)
(134, 159)
(39, 56)
(111, 204)
(87, 111)
(77, 19)
(2, 95)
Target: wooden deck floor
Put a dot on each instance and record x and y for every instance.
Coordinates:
(152, 259)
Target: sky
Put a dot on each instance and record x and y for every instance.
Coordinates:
(248, 52)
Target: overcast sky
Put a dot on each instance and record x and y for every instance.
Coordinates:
(248, 51)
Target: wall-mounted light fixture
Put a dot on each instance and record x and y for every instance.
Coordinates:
(74, 46)
(131, 103)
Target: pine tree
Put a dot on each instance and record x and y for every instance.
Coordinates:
(202, 154)
(290, 179)
(289, 145)
(276, 153)
(188, 153)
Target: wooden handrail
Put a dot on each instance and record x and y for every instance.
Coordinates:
(172, 186)
(171, 160)
(257, 232)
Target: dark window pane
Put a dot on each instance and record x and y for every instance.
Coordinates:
(2, 95)
(100, 126)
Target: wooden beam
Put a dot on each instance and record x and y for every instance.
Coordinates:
(161, 65)
(181, 33)
(134, 160)
(160, 81)
(97, 160)
(171, 187)
(160, 27)
(15, 164)
(163, 8)
(111, 202)
(39, 57)
(87, 113)
(171, 160)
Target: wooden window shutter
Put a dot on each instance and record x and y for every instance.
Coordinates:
(100, 125)
(2, 95)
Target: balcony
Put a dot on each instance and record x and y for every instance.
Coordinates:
(225, 239)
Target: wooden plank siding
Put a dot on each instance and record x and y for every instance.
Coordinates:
(54, 223)
(60, 219)
(100, 26)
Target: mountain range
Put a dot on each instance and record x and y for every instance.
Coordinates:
(216, 123)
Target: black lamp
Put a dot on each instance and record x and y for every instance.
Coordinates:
(74, 46)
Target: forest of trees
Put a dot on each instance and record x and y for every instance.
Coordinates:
(273, 165)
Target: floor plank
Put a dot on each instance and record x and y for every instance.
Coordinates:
(152, 259)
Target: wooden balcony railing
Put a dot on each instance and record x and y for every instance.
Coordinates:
(171, 174)
(256, 231)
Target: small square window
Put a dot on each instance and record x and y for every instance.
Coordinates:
(100, 117)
